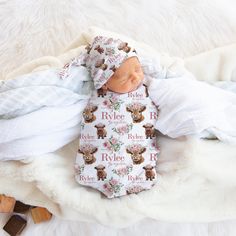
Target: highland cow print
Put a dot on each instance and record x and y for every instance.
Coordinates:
(124, 46)
(88, 115)
(136, 151)
(99, 49)
(101, 64)
(101, 131)
(149, 172)
(88, 150)
(136, 110)
(101, 92)
(149, 130)
(117, 152)
(101, 173)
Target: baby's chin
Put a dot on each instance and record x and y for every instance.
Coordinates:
(136, 87)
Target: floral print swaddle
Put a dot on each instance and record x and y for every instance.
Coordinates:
(118, 151)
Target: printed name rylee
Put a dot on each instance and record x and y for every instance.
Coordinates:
(113, 157)
(86, 178)
(135, 95)
(135, 136)
(135, 178)
(112, 116)
(86, 136)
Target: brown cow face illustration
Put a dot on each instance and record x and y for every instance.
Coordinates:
(88, 115)
(101, 173)
(136, 110)
(101, 64)
(102, 92)
(149, 131)
(113, 68)
(99, 49)
(101, 132)
(124, 47)
(136, 151)
(88, 151)
(150, 174)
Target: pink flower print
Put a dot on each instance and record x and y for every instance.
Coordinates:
(135, 147)
(110, 51)
(114, 140)
(108, 189)
(113, 144)
(112, 186)
(105, 102)
(123, 129)
(108, 104)
(113, 103)
(134, 106)
(109, 41)
(123, 170)
(105, 186)
(155, 146)
(105, 144)
(134, 189)
(119, 129)
(113, 182)
(78, 169)
(114, 99)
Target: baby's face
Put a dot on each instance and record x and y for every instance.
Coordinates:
(127, 77)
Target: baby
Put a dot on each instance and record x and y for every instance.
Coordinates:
(117, 151)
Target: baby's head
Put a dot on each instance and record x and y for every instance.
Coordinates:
(113, 65)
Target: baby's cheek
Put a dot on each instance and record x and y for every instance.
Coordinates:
(127, 87)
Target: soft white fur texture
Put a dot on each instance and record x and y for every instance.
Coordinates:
(32, 29)
(59, 227)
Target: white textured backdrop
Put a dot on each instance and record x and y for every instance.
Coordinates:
(31, 29)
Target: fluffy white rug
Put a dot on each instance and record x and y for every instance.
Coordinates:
(58, 227)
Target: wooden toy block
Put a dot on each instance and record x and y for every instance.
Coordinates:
(20, 207)
(6, 204)
(40, 214)
(15, 225)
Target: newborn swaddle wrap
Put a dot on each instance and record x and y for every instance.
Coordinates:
(117, 152)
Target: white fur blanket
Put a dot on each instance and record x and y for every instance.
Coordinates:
(197, 179)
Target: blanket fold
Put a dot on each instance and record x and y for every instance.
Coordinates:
(40, 112)
(190, 107)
